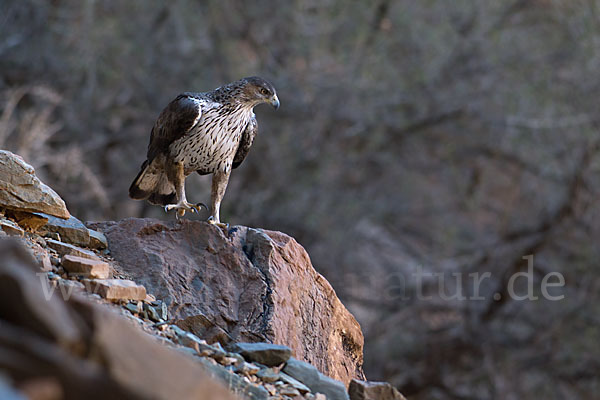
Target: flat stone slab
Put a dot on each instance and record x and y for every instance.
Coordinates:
(21, 190)
(64, 249)
(11, 229)
(267, 354)
(70, 230)
(117, 289)
(316, 381)
(86, 267)
(302, 388)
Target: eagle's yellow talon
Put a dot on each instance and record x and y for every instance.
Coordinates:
(182, 207)
(211, 220)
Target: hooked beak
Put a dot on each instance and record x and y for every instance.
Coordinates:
(274, 101)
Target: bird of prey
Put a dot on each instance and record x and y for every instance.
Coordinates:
(207, 133)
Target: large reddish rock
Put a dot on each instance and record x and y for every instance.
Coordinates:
(250, 285)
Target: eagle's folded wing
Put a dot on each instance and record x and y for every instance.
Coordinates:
(178, 118)
(246, 142)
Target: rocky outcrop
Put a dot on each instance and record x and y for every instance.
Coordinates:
(51, 348)
(21, 190)
(75, 323)
(247, 285)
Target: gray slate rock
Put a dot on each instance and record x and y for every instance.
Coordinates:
(97, 240)
(268, 375)
(70, 230)
(362, 390)
(302, 388)
(316, 381)
(64, 249)
(267, 354)
(235, 383)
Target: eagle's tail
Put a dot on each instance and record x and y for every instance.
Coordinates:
(152, 183)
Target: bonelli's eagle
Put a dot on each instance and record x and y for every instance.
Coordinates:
(208, 133)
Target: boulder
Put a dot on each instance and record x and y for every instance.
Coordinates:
(248, 285)
(361, 390)
(79, 350)
(70, 230)
(267, 354)
(316, 381)
(97, 240)
(21, 190)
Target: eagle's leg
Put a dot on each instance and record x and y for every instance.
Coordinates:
(177, 176)
(219, 185)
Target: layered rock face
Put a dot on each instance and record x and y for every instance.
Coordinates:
(244, 285)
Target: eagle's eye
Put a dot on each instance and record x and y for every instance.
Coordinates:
(264, 91)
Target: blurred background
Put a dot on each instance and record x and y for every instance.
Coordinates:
(444, 137)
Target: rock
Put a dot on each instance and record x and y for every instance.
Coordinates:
(39, 253)
(227, 361)
(52, 235)
(267, 354)
(246, 368)
(289, 391)
(236, 384)
(117, 289)
(85, 267)
(153, 313)
(249, 286)
(21, 190)
(97, 240)
(11, 229)
(32, 222)
(294, 382)
(268, 375)
(316, 381)
(70, 230)
(239, 359)
(45, 262)
(64, 249)
(361, 390)
(134, 308)
(68, 287)
(81, 350)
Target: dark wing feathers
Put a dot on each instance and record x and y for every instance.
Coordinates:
(173, 122)
(245, 142)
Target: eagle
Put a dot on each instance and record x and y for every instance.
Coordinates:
(207, 133)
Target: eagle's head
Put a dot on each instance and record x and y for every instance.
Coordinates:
(255, 91)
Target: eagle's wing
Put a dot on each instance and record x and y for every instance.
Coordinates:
(173, 122)
(246, 142)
